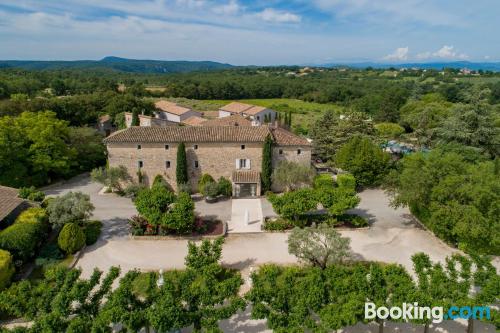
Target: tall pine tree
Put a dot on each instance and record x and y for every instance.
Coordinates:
(267, 164)
(181, 171)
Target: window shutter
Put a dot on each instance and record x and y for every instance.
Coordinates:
(248, 164)
(237, 163)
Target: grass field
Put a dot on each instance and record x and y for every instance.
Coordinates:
(303, 113)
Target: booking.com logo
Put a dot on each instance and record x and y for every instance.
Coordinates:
(409, 311)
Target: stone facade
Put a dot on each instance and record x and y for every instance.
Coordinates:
(216, 159)
(297, 154)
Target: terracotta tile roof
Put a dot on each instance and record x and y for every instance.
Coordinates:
(211, 114)
(190, 134)
(8, 201)
(245, 177)
(236, 107)
(232, 120)
(170, 107)
(283, 137)
(254, 110)
(194, 121)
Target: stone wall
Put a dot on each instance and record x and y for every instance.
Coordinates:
(290, 153)
(216, 159)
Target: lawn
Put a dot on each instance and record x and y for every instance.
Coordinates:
(304, 113)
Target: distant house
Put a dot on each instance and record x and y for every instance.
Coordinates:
(194, 121)
(234, 120)
(172, 112)
(148, 121)
(105, 126)
(253, 112)
(10, 206)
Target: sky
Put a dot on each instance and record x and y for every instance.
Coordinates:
(261, 32)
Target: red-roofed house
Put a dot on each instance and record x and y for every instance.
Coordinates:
(253, 112)
(172, 112)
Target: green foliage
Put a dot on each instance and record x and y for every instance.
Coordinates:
(211, 190)
(181, 171)
(203, 181)
(293, 205)
(90, 151)
(389, 130)
(364, 159)
(72, 207)
(92, 230)
(290, 175)
(113, 177)
(455, 199)
(31, 193)
(204, 255)
(24, 237)
(132, 190)
(33, 214)
(331, 131)
(319, 246)
(224, 187)
(181, 217)
(323, 181)
(135, 118)
(6, 269)
(71, 238)
(356, 220)
(154, 203)
(337, 200)
(345, 180)
(160, 181)
(278, 224)
(267, 164)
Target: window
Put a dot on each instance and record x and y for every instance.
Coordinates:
(166, 147)
(242, 163)
(196, 164)
(242, 147)
(140, 164)
(281, 151)
(139, 147)
(299, 151)
(167, 164)
(258, 117)
(195, 147)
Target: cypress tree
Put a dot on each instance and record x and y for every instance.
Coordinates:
(289, 119)
(267, 164)
(181, 171)
(135, 118)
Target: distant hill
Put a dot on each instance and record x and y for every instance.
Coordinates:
(486, 66)
(118, 64)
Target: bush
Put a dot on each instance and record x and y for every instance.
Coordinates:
(184, 188)
(6, 269)
(322, 181)
(73, 207)
(204, 180)
(346, 181)
(92, 231)
(46, 202)
(181, 216)
(211, 190)
(355, 220)
(71, 238)
(132, 190)
(389, 130)
(137, 225)
(33, 214)
(49, 254)
(280, 224)
(153, 203)
(111, 177)
(159, 180)
(31, 193)
(22, 239)
(224, 187)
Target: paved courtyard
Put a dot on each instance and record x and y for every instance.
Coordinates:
(246, 216)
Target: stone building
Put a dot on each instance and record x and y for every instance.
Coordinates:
(255, 113)
(233, 152)
(172, 112)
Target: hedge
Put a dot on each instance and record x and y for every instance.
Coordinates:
(92, 231)
(23, 238)
(6, 269)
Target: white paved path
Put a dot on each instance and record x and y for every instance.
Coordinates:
(239, 207)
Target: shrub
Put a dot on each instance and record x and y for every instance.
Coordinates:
(49, 254)
(211, 190)
(22, 239)
(355, 220)
(73, 207)
(6, 269)
(92, 231)
(184, 188)
(204, 180)
(322, 181)
(112, 178)
(33, 214)
(347, 181)
(71, 238)
(291, 175)
(160, 181)
(280, 224)
(46, 202)
(132, 190)
(181, 216)
(137, 225)
(153, 203)
(31, 193)
(224, 187)
(389, 130)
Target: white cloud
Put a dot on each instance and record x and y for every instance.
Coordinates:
(487, 57)
(400, 54)
(446, 52)
(231, 8)
(276, 16)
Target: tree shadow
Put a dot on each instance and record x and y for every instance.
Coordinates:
(67, 185)
(240, 265)
(363, 213)
(242, 322)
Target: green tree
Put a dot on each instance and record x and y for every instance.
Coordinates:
(90, 151)
(290, 175)
(293, 205)
(71, 238)
(267, 164)
(224, 187)
(319, 246)
(72, 207)
(203, 181)
(7, 269)
(181, 170)
(135, 118)
(181, 216)
(154, 203)
(389, 130)
(112, 177)
(364, 159)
